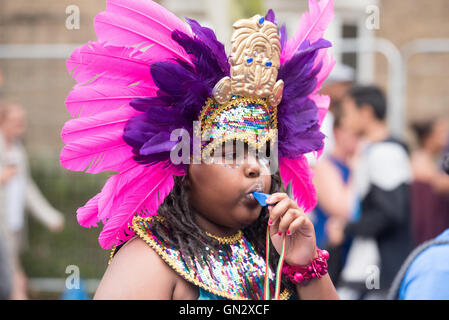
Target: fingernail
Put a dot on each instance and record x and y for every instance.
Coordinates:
(288, 232)
(270, 222)
(280, 233)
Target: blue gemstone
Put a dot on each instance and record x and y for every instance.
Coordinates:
(269, 63)
(249, 60)
(261, 20)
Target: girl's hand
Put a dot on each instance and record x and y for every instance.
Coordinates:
(286, 217)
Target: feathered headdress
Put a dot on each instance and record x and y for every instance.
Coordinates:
(149, 74)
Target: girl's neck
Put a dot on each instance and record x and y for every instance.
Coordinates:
(214, 228)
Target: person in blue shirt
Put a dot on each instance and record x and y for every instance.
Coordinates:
(425, 273)
(338, 201)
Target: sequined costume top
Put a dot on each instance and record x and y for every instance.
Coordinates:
(236, 273)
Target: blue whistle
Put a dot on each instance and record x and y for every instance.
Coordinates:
(261, 198)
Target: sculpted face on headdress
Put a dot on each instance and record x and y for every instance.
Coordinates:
(255, 60)
(244, 104)
(150, 74)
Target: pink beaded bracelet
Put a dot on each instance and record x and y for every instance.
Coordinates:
(303, 274)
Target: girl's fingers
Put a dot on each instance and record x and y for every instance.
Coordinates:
(279, 209)
(273, 226)
(297, 224)
(276, 197)
(286, 220)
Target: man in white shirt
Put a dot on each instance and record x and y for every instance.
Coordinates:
(17, 192)
(384, 175)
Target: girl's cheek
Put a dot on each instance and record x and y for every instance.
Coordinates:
(265, 166)
(231, 166)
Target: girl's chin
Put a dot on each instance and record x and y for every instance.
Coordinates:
(248, 217)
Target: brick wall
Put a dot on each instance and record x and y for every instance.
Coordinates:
(428, 74)
(41, 85)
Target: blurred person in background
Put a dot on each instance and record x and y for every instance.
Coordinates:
(425, 273)
(18, 191)
(5, 270)
(335, 86)
(430, 188)
(338, 202)
(1, 84)
(382, 238)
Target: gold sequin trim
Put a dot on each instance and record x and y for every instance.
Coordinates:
(227, 240)
(144, 236)
(112, 254)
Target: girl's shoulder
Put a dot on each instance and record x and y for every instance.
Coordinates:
(134, 269)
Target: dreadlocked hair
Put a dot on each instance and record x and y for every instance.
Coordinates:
(178, 217)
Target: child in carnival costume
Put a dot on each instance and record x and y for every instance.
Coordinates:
(187, 130)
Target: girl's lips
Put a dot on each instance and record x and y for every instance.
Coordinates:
(249, 200)
(247, 196)
(250, 196)
(258, 187)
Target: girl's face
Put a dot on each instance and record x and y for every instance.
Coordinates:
(221, 192)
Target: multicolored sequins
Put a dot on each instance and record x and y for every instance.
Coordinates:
(237, 272)
(247, 119)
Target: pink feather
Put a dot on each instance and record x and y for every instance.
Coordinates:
(98, 97)
(327, 64)
(119, 74)
(100, 152)
(96, 125)
(298, 172)
(126, 63)
(98, 208)
(312, 26)
(142, 197)
(87, 215)
(149, 13)
(119, 28)
(322, 102)
(113, 190)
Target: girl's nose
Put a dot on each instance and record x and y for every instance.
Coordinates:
(252, 167)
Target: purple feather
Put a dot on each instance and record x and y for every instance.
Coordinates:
(207, 36)
(298, 128)
(283, 36)
(270, 16)
(183, 90)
